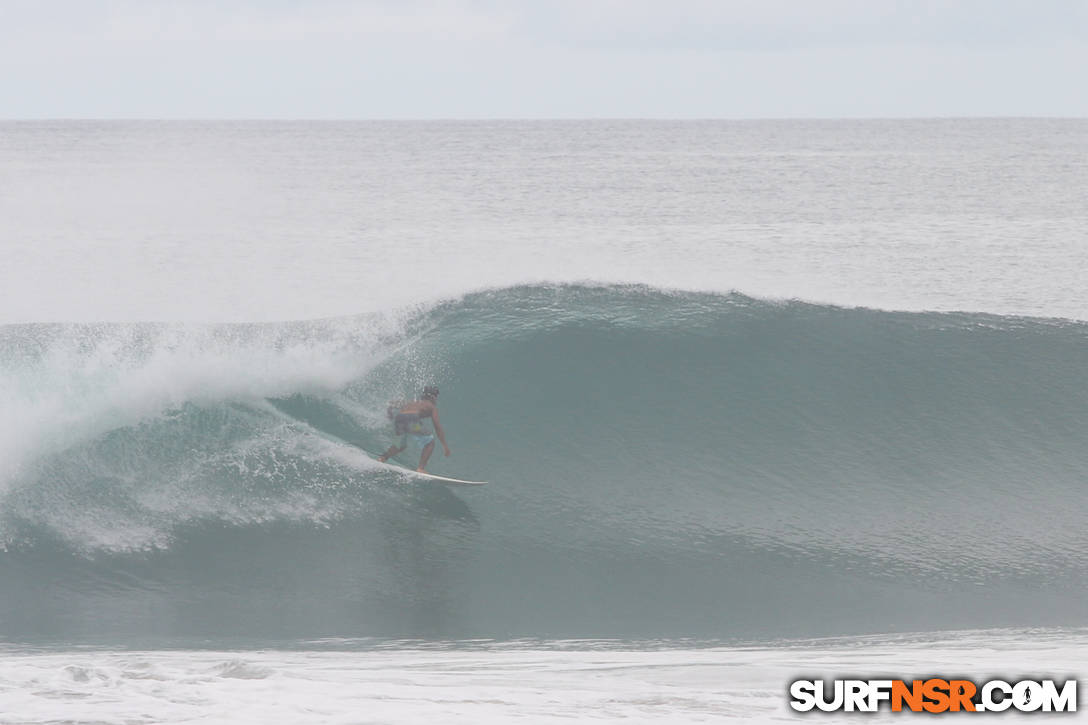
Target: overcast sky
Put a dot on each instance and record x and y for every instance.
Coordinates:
(542, 58)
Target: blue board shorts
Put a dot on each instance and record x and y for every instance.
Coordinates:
(409, 427)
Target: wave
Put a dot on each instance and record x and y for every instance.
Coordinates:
(661, 463)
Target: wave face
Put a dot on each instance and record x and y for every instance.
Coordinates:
(661, 465)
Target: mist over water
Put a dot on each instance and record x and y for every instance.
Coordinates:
(273, 221)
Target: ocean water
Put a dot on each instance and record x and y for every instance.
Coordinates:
(756, 400)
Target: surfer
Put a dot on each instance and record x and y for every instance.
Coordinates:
(408, 420)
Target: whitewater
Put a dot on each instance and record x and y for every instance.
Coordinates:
(757, 400)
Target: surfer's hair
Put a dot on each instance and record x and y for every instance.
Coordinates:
(430, 392)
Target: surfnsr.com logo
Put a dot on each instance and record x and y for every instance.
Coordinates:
(933, 695)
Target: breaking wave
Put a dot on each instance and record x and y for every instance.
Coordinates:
(660, 464)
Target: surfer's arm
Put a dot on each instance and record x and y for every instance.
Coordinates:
(439, 432)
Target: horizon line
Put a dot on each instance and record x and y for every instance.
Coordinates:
(470, 119)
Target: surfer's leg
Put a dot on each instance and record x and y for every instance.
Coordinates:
(393, 450)
(425, 456)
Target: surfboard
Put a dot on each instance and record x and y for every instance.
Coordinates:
(430, 476)
(374, 459)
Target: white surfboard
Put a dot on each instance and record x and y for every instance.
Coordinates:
(431, 476)
(399, 469)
